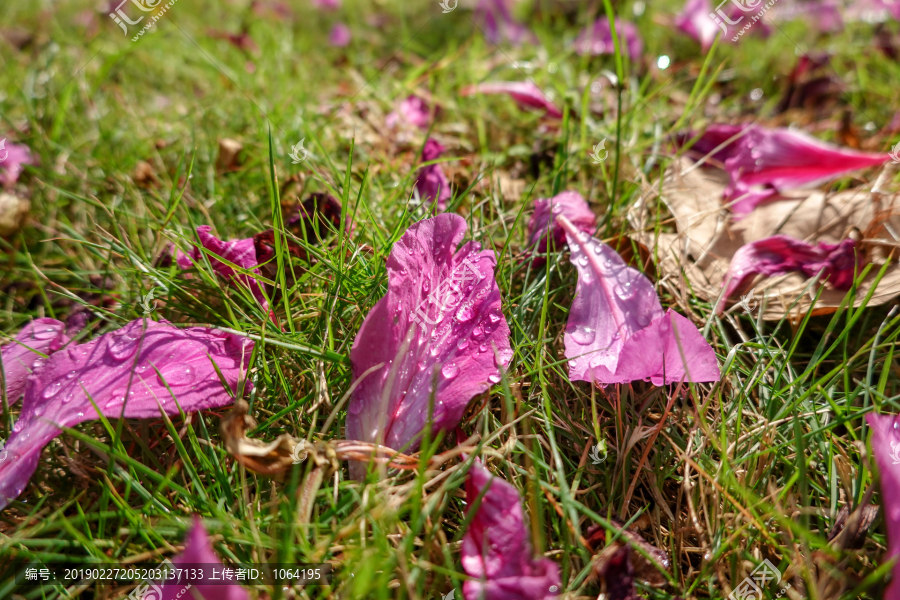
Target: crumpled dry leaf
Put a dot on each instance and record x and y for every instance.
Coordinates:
(13, 213)
(273, 458)
(707, 239)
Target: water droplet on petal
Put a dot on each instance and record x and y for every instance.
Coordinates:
(583, 334)
(450, 370)
(177, 375)
(462, 344)
(494, 378)
(52, 389)
(465, 313)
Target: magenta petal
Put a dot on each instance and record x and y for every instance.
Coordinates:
(13, 158)
(327, 4)
(886, 448)
(440, 320)
(598, 39)
(782, 254)
(198, 550)
(60, 394)
(572, 206)
(612, 303)
(714, 142)
(773, 160)
(496, 551)
(413, 111)
(431, 182)
(20, 357)
(340, 35)
(695, 21)
(498, 23)
(238, 252)
(525, 93)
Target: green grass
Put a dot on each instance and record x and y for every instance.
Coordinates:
(754, 467)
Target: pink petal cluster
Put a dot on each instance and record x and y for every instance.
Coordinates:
(886, 448)
(431, 182)
(412, 111)
(340, 35)
(543, 226)
(438, 331)
(496, 551)
(598, 39)
(23, 356)
(135, 372)
(499, 25)
(13, 158)
(198, 551)
(525, 94)
(782, 254)
(617, 331)
(238, 252)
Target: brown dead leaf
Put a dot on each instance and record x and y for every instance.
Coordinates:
(707, 238)
(273, 458)
(229, 150)
(13, 213)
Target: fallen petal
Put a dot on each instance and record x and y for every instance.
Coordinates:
(695, 21)
(340, 35)
(496, 551)
(435, 332)
(431, 182)
(20, 358)
(543, 221)
(498, 23)
(886, 448)
(720, 142)
(525, 93)
(13, 158)
(598, 39)
(136, 362)
(412, 111)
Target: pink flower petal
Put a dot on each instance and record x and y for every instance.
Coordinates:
(525, 93)
(569, 204)
(198, 550)
(20, 357)
(714, 142)
(327, 4)
(238, 252)
(13, 158)
(412, 111)
(695, 21)
(340, 35)
(782, 254)
(499, 25)
(496, 551)
(769, 161)
(886, 448)
(597, 39)
(143, 353)
(431, 182)
(617, 331)
(439, 321)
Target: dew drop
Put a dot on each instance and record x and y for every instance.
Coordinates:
(583, 334)
(583, 261)
(462, 344)
(52, 390)
(494, 378)
(586, 278)
(494, 317)
(450, 370)
(177, 375)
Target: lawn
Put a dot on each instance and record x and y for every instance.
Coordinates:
(229, 114)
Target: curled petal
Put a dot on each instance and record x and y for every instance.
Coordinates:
(128, 372)
(598, 39)
(438, 332)
(525, 93)
(23, 356)
(496, 551)
(569, 204)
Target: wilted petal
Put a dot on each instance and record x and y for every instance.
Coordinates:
(431, 182)
(198, 550)
(14, 158)
(21, 358)
(713, 142)
(525, 93)
(886, 448)
(340, 35)
(572, 206)
(496, 551)
(412, 111)
(144, 353)
(598, 39)
(617, 331)
(241, 253)
(441, 322)
(782, 254)
(695, 21)
(769, 161)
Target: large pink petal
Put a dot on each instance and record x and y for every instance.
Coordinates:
(431, 182)
(612, 303)
(198, 550)
(782, 254)
(886, 448)
(598, 39)
(572, 206)
(412, 111)
(440, 321)
(238, 252)
(13, 158)
(714, 142)
(132, 362)
(20, 358)
(694, 20)
(772, 160)
(496, 551)
(525, 93)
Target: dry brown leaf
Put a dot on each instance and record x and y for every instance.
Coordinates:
(228, 154)
(13, 213)
(707, 238)
(273, 458)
